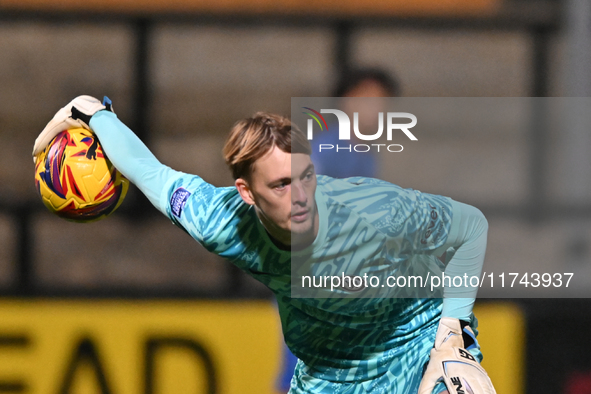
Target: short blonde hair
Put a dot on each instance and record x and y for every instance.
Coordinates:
(251, 138)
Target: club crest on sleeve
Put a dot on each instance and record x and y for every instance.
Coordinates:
(178, 200)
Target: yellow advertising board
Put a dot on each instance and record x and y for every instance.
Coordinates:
(133, 347)
(177, 346)
(502, 341)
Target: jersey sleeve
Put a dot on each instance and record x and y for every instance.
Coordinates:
(456, 234)
(202, 210)
(209, 214)
(131, 156)
(467, 240)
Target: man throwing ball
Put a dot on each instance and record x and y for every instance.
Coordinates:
(280, 209)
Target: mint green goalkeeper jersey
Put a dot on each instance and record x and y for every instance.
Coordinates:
(366, 226)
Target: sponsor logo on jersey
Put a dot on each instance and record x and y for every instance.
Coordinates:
(433, 216)
(178, 201)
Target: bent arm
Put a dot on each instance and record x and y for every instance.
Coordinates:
(467, 236)
(132, 157)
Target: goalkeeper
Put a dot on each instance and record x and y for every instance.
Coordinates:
(280, 208)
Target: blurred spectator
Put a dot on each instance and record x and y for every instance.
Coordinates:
(362, 82)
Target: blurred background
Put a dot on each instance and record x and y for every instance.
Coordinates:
(131, 304)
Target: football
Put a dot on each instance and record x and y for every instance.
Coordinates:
(75, 179)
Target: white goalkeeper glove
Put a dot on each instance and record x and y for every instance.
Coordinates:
(452, 364)
(76, 114)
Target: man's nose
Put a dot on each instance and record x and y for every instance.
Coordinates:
(298, 195)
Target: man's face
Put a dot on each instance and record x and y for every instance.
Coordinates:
(282, 188)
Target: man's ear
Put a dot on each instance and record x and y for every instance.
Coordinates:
(244, 191)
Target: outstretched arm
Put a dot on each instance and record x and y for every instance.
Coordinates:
(186, 199)
(467, 236)
(450, 360)
(131, 157)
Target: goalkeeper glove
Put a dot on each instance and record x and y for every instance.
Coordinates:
(452, 364)
(76, 114)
